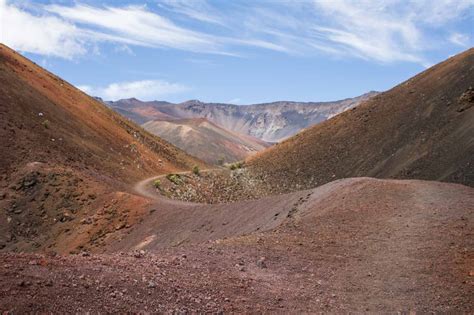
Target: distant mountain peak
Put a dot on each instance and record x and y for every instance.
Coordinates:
(192, 102)
(270, 122)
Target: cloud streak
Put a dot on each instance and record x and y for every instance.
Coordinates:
(135, 25)
(371, 31)
(384, 31)
(459, 39)
(45, 35)
(144, 90)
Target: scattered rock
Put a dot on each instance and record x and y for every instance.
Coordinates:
(24, 283)
(87, 220)
(139, 254)
(261, 263)
(466, 100)
(120, 226)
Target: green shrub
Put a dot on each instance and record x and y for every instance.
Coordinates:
(157, 183)
(236, 165)
(45, 124)
(174, 178)
(196, 170)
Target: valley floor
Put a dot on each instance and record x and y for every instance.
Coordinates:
(360, 245)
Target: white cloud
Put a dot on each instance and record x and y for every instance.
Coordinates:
(144, 90)
(459, 39)
(382, 31)
(393, 30)
(86, 89)
(439, 12)
(71, 31)
(234, 101)
(124, 49)
(197, 9)
(371, 30)
(45, 35)
(135, 24)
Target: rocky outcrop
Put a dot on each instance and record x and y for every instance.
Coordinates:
(270, 122)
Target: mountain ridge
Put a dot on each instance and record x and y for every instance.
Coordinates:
(206, 140)
(271, 122)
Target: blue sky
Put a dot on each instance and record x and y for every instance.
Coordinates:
(236, 51)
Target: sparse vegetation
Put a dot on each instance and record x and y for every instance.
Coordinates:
(236, 165)
(196, 170)
(45, 123)
(220, 161)
(157, 183)
(174, 178)
(133, 147)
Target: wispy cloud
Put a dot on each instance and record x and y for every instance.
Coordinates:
(234, 101)
(145, 90)
(387, 30)
(459, 39)
(45, 35)
(370, 30)
(71, 31)
(197, 9)
(124, 49)
(135, 25)
(382, 31)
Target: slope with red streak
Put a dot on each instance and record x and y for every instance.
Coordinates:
(64, 157)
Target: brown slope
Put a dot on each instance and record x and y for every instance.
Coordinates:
(422, 128)
(206, 140)
(64, 154)
(140, 112)
(351, 246)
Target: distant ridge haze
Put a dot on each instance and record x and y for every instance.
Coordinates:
(270, 122)
(206, 140)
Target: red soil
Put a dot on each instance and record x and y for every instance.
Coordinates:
(354, 245)
(64, 157)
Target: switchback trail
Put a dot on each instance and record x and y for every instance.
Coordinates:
(145, 187)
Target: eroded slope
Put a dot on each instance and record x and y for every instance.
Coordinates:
(206, 140)
(354, 245)
(422, 128)
(64, 156)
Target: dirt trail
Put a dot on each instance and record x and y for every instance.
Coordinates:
(354, 245)
(145, 187)
(174, 222)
